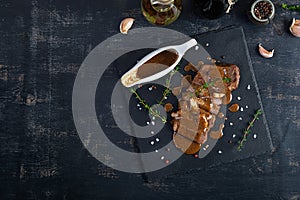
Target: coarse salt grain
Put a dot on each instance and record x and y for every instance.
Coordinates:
(138, 105)
(204, 148)
(242, 109)
(152, 132)
(219, 152)
(152, 142)
(207, 44)
(254, 136)
(196, 48)
(140, 108)
(156, 150)
(147, 123)
(150, 88)
(157, 139)
(162, 157)
(153, 118)
(240, 118)
(247, 107)
(234, 135)
(248, 87)
(153, 123)
(231, 123)
(238, 98)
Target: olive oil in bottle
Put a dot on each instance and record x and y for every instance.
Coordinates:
(161, 12)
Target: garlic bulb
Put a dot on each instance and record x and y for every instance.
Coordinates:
(126, 24)
(265, 53)
(295, 27)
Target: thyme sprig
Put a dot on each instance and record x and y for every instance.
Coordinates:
(210, 84)
(167, 91)
(247, 131)
(153, 112)
(290, 7)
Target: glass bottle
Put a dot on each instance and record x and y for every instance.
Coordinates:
(161, 12)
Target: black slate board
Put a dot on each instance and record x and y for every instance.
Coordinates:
(229, 43)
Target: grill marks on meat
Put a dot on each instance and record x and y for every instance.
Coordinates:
(198, 108)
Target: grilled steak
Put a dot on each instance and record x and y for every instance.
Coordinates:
(200, 104)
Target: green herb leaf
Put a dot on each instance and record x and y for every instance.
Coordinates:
(290, 7)
(207, 85)
(227, 80)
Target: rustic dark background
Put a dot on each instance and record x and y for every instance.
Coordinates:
(43, 44)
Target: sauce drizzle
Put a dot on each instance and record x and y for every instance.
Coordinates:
(157, 63)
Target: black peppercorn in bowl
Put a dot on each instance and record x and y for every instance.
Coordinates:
(262, 11)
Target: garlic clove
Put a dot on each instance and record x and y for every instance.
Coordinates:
(126, 24)
(295, 27)
(265, 53)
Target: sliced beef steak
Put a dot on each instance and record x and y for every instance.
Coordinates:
(200, 104)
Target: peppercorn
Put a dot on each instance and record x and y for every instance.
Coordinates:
(263, 10)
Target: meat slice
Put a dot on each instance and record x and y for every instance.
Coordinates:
(186, 145)
(230, 74)
(200, 104)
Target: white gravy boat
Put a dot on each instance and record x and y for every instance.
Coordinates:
(130, 78)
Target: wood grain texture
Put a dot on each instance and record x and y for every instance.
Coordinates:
(43, 44)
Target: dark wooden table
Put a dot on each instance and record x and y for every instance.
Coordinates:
(43, 44)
